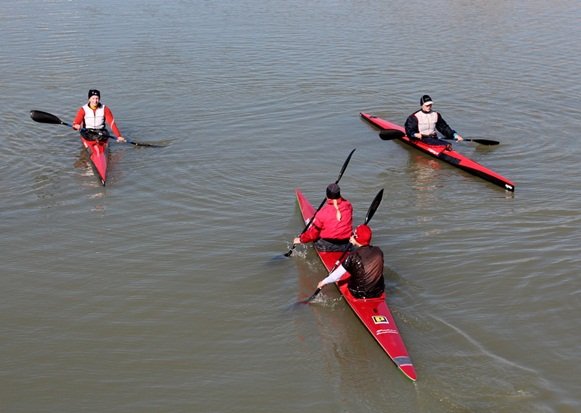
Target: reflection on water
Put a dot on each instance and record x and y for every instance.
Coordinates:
(425, 174)
(84, 164)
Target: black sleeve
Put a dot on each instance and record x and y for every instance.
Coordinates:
(411, 126)
(443, 128)
(348, 263)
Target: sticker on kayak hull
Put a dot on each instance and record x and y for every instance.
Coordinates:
(380, 319)
(386, 331)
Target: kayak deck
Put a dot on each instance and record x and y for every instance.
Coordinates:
(372, 312)
(99, 154)
(443, 153)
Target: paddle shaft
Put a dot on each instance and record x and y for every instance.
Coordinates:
(390, 134)
(290, 251)
(45, 117)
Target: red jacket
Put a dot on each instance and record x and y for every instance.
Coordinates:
(331, 222)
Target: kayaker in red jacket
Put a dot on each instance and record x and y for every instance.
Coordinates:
(92, 117)
(332, 225)
(424, 123)
(365, 265)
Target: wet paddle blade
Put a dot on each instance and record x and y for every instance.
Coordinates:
(307, 300)
(391, 134)
(373, 207)
(488, 142)
(44, 117)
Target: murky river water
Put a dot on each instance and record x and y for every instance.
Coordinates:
(159, 293)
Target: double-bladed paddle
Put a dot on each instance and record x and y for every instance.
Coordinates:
(290, 251)
(370, 212)
(44, 117)
(390, 134)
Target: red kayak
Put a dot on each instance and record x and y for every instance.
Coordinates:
(444, 153)
(372, 312)
(99, 155)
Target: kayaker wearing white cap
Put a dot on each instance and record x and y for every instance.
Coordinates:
(425, 123)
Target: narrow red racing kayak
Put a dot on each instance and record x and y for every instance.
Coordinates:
(372, 312)
(99, 154)
(444, 153)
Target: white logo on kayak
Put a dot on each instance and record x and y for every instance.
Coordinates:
(386, 331)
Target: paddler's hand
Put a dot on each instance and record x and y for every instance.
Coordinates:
(121, 139)
(320, 284)
(297, 240)
(76, 126)
(458, 137)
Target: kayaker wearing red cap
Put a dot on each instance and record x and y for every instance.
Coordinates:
(424, 123)
(332, 225)
(93, 116)
(365, 265)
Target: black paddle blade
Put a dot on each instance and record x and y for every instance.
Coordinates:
(391, 134)
(44, 117)
(289, 252)
(345, 166)
(373, 207)
(488, 142)
(308, 300)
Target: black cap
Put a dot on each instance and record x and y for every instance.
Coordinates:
(94, 92)
(425, 99)
(333, 191)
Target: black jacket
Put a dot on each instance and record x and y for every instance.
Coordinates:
(366, 268)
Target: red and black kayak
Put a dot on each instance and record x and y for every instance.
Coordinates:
(444, 153)
(372, 312)
(99, 154)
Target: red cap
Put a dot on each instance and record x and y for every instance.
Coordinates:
(363, 234)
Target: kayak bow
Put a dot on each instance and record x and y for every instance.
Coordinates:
(372, 312)
(443, 153)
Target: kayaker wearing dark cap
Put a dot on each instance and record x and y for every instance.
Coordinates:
(332, 225)
(424, 123)
(93, 116)
(365, 265)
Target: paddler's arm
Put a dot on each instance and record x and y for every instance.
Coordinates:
(333, 277)
(443, 127)
(310, 235)
(411, 127)
(78, 121)
(110, 119)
